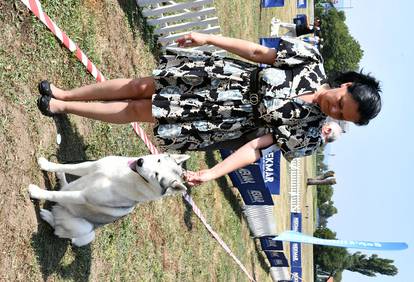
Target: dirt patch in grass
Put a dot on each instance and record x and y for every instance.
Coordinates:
(18, 220)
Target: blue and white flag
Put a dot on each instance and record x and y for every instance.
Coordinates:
(292, 236)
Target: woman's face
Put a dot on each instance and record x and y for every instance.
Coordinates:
(338, 103)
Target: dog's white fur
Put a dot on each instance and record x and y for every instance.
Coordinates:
(106, 190)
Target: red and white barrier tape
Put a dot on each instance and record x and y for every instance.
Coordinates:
(36, 8)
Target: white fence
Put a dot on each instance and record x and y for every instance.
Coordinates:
(175, 19)
(295, 184)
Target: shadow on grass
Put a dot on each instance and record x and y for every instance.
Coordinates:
(55, 255)
(139, 25)
(237, 208)
(261, 258)
(188, 213)
(224, 186)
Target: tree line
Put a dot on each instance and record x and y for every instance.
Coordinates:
(332, 261)
(341, 52)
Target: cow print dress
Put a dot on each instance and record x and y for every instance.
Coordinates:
(202, 100)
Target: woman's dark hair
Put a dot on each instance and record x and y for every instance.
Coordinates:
(365, 90)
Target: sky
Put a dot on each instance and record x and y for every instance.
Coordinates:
(374, 163)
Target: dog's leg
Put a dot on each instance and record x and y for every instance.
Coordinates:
(79, 169)
(62, 179)
(48, 217)
(73, 197)
(69, 226)
(84, 240)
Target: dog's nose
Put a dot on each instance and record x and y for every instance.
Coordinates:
(140, 162)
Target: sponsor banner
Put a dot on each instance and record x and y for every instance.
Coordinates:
(301, 3)
(273, 3)
(296, 273)
(249, 180)
(277, 259)
(296, 221)
(270, 166)
(268, 243)
(295, 254)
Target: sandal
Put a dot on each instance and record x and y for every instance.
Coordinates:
(43, 105)
(44, 88)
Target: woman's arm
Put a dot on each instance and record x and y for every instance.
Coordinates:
(245, 49)
(244, 156)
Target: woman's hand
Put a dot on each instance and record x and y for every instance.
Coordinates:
(198, 177)
(192, 39)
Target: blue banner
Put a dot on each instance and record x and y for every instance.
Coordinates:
(296, 221)
(270, 165)
(249, 180)
(295, 254)
(301, 3)
(268, 243)
(276, 259)
(296, 273)
(295, 248)
(273, 3)
(292, 236)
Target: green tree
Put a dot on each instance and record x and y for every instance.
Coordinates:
(370, 266)
(340, 51)
(329, 259)
(325, 193)
(327, 209)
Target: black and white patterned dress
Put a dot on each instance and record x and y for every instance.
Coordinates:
(203, 100)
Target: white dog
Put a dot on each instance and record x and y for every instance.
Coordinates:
(106, 190)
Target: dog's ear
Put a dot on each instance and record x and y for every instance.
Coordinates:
(179, 159)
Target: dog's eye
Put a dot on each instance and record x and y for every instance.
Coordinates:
(159, 160)
(156, 174)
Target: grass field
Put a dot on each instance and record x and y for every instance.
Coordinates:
(161, 241)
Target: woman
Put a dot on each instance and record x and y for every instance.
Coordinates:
(204, 102)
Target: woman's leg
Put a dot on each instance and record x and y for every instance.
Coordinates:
(110, 90)
(114, 111)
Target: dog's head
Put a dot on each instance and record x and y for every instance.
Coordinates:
(163, 171)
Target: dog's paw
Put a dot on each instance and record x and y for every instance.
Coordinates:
(35, 192)
(47, 216)
(43, 163)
